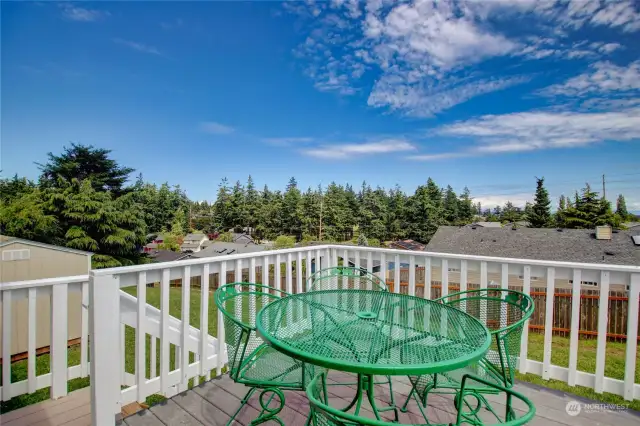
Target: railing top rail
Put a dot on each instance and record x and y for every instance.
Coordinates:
(200, 261)
(16, 285)
(530, 262)
(207, 260)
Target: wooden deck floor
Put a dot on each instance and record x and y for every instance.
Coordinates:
(214, 402)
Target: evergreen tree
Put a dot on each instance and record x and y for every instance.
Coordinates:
(222, 207)
(589, 211)
(177, 225)
(85, 162)
(26, 216)
(540, 216)
(621, 207)
(291, 214)
(465, 206)
(362, 240)
(561, 212)
(252, 203)
(238, 207)
(450, 206)
(424, 212)
(15, 187)
(112, 228)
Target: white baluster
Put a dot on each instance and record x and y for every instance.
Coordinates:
(575, 326)
(141, 337)
(601, 349)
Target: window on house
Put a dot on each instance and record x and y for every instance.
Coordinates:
(532, 278)
(589, 283)
(10, 255)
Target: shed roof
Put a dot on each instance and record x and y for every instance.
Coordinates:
(5, 241)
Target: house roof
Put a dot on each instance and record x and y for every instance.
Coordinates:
(488, 224)
(168, 256)
(242, 238)
(407, 245)
(189, 245)
(223, 249)
(630, 225)
(570, 245)
(5, 241)
(195, 237)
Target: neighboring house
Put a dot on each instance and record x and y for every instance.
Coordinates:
(407, 245)
(363, 264)
(224, 249)
(566, 245)
(156, 240)
(168, 255)
(30, 260)
(242, 238)
(193, 242)
(486, 224)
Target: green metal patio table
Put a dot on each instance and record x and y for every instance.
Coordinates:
(370, 332)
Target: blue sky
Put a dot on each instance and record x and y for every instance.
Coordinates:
(483, 94)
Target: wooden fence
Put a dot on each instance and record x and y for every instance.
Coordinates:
(589, 303)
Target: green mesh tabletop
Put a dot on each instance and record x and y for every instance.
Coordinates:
(373, 332)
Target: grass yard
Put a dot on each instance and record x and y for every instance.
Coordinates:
(614, 367)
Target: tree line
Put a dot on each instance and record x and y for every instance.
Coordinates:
(82, 200)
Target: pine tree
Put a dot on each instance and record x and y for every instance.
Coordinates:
(561, 212)
(252, 203)
(291, 214)
(540, 216)
(621, 207)
(589, 211)
(450, 206)
(362, 240)
(465, 206)
(85, 162)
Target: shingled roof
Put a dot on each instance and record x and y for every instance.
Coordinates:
(568, 245)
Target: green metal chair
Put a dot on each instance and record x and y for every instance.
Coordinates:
(468, 412)
(252, 362)
(504, 312)
(343, 278)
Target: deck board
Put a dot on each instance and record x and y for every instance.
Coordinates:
(213, 402)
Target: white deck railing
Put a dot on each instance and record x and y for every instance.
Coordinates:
(111, 310)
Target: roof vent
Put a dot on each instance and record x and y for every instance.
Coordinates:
(636, 240)
(609, 253)
(603, 232)
(559, 229)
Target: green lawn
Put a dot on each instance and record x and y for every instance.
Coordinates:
(614, 366)
(560, 356)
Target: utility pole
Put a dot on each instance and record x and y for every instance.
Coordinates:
(321, 206)
(604, 188)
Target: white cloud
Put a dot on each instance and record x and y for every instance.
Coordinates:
(602, 77)
(76, 13)
(491, 201)
(529, 131)
(421, 100)
(140, 47)
(424, 56)
(215, 128)
(441, 156)
(345, 151)
(287, 141)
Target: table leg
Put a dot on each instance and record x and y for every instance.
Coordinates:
(366, 384)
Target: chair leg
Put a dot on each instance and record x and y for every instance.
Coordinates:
(267, 413)
(242, 404)
(406, 402)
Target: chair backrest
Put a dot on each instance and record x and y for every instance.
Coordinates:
(324, 415)
(504, 312)
(343, 278)
(239, 302)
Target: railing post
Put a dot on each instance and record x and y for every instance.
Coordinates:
(104, 300)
